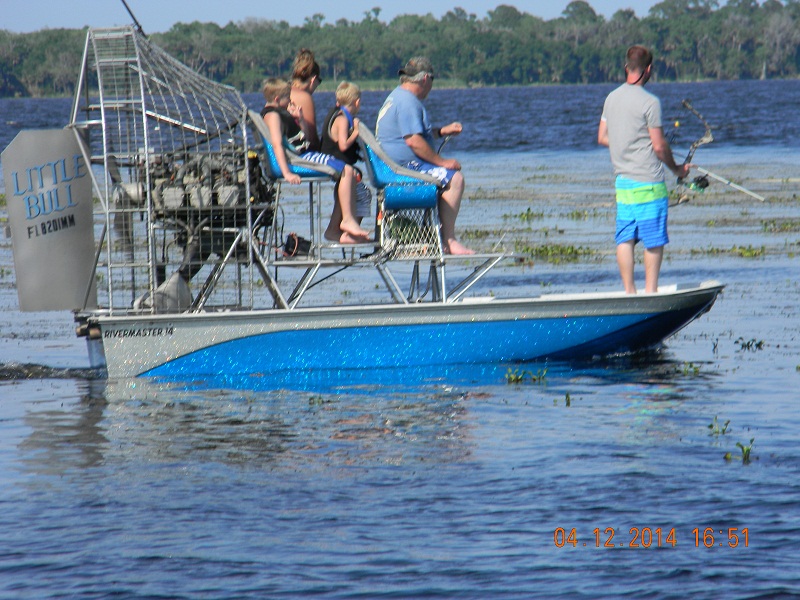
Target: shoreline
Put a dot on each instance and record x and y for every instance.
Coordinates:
(386, 85)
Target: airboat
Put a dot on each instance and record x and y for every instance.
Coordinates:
(157, 216)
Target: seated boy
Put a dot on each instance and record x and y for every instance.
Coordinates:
(339, 139)
(277, 115)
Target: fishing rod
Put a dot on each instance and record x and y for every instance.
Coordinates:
(735, 186)
(700, 183)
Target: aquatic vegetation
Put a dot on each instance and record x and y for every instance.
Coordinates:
(403, 229)
(478, 234)
(742, 251)
(690, 369)
(546, 232)
(745, 449)
(555, 253)
(526, 216)
(519, 193)
(780, 226)
(581, 215)
(749, 251)
(567, 400)
(715, 428)
(514, 376)
(519, 376)
(752, 345)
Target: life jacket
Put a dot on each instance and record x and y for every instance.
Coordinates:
(290, 128)
(329, 146)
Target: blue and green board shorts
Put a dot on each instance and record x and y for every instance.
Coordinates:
(641, 212)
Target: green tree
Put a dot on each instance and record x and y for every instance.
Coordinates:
(690, 39)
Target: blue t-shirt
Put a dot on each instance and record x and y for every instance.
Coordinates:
(401, 115)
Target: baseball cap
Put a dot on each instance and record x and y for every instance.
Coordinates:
(416, 65)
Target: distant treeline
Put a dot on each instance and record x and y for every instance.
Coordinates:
(691, 39)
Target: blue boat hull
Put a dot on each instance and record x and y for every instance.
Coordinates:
(375, 337)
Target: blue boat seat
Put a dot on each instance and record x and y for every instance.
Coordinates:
(298, 165)
(407, 203)
(310, 172)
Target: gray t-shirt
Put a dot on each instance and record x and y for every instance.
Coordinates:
(629, 111)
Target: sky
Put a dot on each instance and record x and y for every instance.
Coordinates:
(158, 16)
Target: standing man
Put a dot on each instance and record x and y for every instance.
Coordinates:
(631, 127)
(405, 133)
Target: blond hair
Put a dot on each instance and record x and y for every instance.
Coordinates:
(347, 93)
(275, 87)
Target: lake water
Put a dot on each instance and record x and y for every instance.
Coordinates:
(603, 479)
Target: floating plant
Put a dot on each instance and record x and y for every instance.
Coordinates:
(716, 429)
(752, 344)
(690, 369)
(745, 457)
(518, 376)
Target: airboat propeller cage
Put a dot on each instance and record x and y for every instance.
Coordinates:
(161, 140)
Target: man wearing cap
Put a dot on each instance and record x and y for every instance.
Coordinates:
(405, 133)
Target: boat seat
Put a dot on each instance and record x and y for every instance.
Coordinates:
(312, 173)
(408, 217)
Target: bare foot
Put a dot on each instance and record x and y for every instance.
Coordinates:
(456, 247)
(332, 234)
(352, 227)
(347, 238)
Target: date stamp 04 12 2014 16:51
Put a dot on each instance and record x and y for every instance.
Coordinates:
(646, 537)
